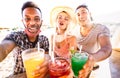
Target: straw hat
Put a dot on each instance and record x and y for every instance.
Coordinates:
(55, 11)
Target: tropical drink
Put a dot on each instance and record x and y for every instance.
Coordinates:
(31, 59)
(60, 68)
(78, 60)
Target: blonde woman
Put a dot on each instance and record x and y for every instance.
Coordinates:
(63, 19)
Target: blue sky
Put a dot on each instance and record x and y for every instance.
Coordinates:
(10, 14)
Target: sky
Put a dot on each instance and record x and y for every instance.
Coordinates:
(10, 10)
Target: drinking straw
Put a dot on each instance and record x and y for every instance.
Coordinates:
(38, 47)
(51, 48)
(80, 48)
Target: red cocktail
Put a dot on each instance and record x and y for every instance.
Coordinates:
(60, 68)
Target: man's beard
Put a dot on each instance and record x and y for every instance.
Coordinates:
(32, 31)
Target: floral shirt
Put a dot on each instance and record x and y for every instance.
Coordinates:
(22, 43)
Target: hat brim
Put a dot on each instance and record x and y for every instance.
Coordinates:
(55, 11)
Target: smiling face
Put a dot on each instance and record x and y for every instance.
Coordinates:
(63, 20)
(83, 16)
(32, 21)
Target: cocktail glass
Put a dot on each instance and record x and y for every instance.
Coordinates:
(77, 61)
(31, 59)
(60, 68)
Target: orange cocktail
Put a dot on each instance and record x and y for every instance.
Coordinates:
(31, 59)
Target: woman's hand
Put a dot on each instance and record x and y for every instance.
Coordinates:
(42, 70)
(85, 72)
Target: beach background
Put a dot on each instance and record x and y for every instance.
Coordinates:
(6, 66)
(103, 11)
